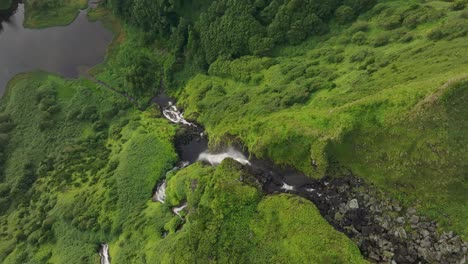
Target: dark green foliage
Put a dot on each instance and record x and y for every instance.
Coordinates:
(360, 38)
(449, 31)
(459, 5)
(142, 75)
(464, 14)
(344, 14)
(359, 26)
(390, 19)
(381, 40)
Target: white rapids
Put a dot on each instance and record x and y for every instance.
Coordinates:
(175, 116)
(177, 210)
(104, 253)
(216, 159)
(287, 187)
(160, 194)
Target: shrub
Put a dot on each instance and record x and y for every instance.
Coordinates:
(464, 14)
(389, 20)
(344, 14)
(359, 26)
(359, 56)
(458, 5)
(359, 38)
(408, 37)
(381, 40)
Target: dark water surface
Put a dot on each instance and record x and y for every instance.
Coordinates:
(63, 50)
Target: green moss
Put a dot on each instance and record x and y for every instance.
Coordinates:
(47, 13)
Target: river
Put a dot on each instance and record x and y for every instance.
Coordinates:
(63, 50)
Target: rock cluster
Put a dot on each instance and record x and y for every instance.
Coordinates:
(384, 232)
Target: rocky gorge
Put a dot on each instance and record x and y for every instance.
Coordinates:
(383, 229)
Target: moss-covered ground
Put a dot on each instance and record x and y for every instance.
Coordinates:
(49, 13)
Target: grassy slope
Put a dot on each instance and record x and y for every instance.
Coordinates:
(364, 106)
(61, 13)
(102, 175)
(230, 221)
(104, 166)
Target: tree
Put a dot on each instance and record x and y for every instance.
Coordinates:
(344, 14)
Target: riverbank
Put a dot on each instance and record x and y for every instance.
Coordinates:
(44, 14)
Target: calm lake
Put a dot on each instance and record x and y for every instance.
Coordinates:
(63, 50)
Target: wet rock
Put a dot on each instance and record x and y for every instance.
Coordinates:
(414, 219)
(400, 232)
(425, 233)
(353, 204)
(338, 216)
(374, 256)
(400, 220)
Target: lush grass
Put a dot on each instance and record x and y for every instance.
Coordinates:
(93, 168)
(47, 13)
(333, 98)
(229, 221)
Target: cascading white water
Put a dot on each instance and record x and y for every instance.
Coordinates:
(160, 194)
(287, 187)
(174, 115)
(104, 253)
(215, 159)
(177, 210)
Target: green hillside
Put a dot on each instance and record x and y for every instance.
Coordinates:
(375, 88)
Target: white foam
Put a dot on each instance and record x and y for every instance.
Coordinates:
(216, 159)
(177, 210)
(287, 187)
(160, 194)
(310, 189)
(104, 253)
(175, 116)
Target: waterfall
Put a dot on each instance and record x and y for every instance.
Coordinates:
(215, 159)
(104, 253)
(177, 210)
(160, 194)
(287, 187)
(175, 116)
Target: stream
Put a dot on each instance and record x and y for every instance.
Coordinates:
(376, 223)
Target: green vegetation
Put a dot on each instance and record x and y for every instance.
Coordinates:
(47, 13)
(80, 166)
(229, 221)
(5, 4)
(354, 97)
(350, 87)
(80, 170)
(378, 89)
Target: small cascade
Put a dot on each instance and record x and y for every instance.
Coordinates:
(104, 253)
(216, 159)
(177, 210)
(160, 194)
(175, 116)
(287, 187)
